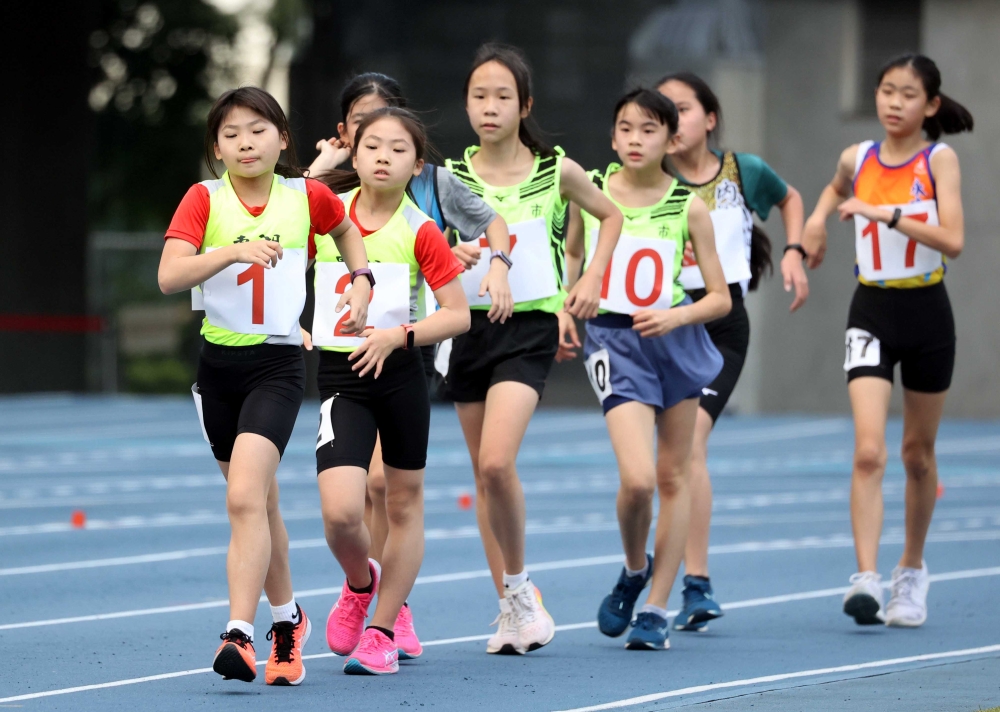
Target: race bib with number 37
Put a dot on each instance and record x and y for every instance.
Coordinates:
(389, 305)
(862, 349)
(639, 276)
(531, 277)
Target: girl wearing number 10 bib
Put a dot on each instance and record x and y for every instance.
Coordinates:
(648, 354)
(907, 210)
(497, 371)
(375, 387)
(241, 241)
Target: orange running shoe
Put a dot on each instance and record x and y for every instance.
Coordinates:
(235, 659)
(284, 666)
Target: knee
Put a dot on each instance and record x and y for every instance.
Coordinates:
(637, 490)
(671, 478)
(403, 504)
(869, 459)
(376, 483)
(495, 470)
(242, 502)
(340, 519)
(918, 459)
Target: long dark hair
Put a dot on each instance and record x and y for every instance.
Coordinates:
(761, 263)
(342, 181)
(514, 60)
(951, 117)
(367, 84)
(261, 103)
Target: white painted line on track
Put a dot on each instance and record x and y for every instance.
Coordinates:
(746, 682)
(751, 603)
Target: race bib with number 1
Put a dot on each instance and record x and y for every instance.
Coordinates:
(389, 305)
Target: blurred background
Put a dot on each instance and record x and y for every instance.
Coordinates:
(106, 102)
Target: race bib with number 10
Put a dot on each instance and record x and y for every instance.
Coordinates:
(389, 305)
(639, 276)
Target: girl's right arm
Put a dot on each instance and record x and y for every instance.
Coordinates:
(838, 190)
(182, 267)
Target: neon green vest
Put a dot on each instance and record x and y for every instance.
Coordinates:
(666, 220)
(536, 196)
(285, 220)
(394, 242)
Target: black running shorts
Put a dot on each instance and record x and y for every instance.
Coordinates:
(522, 349)
(249, 389)
(912, 327)
(354, 410)
(731, 336)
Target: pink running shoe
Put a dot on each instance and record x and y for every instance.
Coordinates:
(375, 655)
(346, 621)
(406, 638)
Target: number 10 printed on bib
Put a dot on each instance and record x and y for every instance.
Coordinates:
(639, 276)
(389, 305)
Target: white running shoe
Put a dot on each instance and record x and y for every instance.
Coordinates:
(505, 641)
(535, 626)
(907, 607)
(863, 601)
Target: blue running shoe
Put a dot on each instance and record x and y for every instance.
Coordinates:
(699, 606)
(615, 612)
(649, 632)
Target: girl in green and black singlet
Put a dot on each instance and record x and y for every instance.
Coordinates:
(497, 371)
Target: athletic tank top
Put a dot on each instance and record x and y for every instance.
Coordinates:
(666, 220)
(246, 304)
(537, 217)
(394, 265)
(888, 258)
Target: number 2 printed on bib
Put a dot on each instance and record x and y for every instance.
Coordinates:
(389, 305)
(532, 276)
(730, 242)
(249, 299)
(639, 276)
(862, 349)
(884, 253)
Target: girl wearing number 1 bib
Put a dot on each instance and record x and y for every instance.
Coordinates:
(497, 371)
(648, 354)
(375, 387)
(241, 241)
(907, 210)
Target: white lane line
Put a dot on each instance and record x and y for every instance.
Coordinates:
(746, 682)
(751, 603)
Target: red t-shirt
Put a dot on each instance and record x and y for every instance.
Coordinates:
(326, 212)
(437, 262)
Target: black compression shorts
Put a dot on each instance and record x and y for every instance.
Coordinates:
(249, 389)
(731, 336)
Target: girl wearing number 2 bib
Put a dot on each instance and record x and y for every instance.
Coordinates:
(497, 372)
(241, 241)
(648, 354)
(375, 387)
(907, 210)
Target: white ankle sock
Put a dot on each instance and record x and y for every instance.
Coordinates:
(247, 628)
(637, 572)
(285, 613)
(650, 608)
(514, 580)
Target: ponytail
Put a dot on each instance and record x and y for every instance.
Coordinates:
(951, 117)
(513, 59)
(760, 257)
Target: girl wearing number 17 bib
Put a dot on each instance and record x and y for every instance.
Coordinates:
(907, 211)
(242, 241)
(648, 354)
(497, 371)
(375, 387)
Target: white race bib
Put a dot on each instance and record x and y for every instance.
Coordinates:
(599, 372)
(730, 243)
(532, 276)
(889, 254)
(639, 276)
(249, 299)
(325, 434)
(389, 305)
(862, 349)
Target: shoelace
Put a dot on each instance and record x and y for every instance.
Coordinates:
(904, 586)
(236, 636)
(523, 610)
(404, 621)
(646, 621)
(368, 644)
(505, 621)
(284, 640)
(864, 576)
(352, 606)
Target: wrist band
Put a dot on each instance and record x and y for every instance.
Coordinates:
(409, 336)
(896, 215)
(798, 248)
(364, 271)
(499, 255)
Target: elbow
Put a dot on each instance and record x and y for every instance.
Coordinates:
(955, 249)
(166, 286)
(464, 321)
(725, 304)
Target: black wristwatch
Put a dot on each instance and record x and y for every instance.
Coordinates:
(896, 215)
(798, 248)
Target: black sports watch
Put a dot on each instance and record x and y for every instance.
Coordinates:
(798, 248)
(896, 215)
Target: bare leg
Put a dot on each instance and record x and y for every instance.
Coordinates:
(870, 404)
(696, 551)
(675, 430)
(404, 545)
(378, 524)
(278, 584)
(342, 496)
(630, 426)
(921, 418)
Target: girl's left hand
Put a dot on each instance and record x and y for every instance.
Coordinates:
(585, 297)
(651, 323)
(375, 349)
(357, 299)
(855, 206)
(569, 339)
